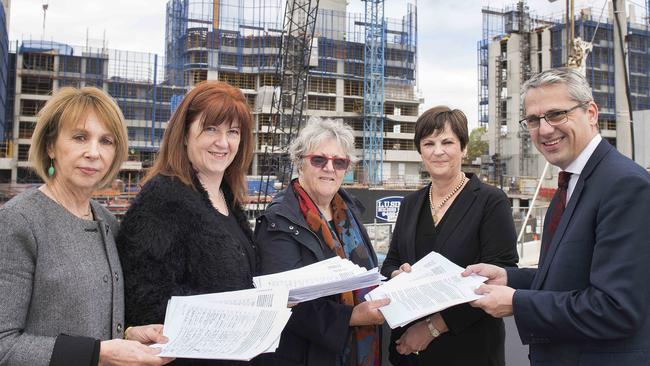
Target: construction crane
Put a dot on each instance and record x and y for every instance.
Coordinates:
(289, 98)
(46, 5)
(373, 90)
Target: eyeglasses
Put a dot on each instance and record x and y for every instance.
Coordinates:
(319, 161)
(553, 118)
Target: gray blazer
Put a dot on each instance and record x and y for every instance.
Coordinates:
(59, 274)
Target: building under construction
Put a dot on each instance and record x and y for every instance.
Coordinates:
(238, 42)
(516, 44)
(135, 80)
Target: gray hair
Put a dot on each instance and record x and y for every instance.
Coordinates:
(318, 130)
(576, 84)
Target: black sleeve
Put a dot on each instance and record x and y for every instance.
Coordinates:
(75, 351)
(393, 258)
(152, 251)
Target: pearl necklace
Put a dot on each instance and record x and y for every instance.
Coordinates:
(435, 208)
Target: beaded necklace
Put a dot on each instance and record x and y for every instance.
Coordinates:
(435, 208)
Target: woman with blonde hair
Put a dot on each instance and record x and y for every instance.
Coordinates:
(60, 276)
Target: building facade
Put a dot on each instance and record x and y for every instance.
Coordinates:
(133, 79)
(233, 41)
(516, 44)
(238, 42)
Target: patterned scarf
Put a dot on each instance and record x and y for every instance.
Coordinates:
(345, 239)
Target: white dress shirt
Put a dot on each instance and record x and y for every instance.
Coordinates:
(575, 168)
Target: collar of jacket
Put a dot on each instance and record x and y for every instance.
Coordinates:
(285, 204)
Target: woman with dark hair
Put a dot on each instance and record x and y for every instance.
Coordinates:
(463, 219)
(185, 233)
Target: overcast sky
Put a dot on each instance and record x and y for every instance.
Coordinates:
(448, 31)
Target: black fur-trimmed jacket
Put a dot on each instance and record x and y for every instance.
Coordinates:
(172, 242)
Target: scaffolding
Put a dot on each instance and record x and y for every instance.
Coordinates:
(240, 45)
(4, 68)
(236, 41)
(589, 26)
(134, 79)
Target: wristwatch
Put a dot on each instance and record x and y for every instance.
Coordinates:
(432, 328)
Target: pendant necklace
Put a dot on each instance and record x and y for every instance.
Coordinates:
(436, 208)
(85, 216)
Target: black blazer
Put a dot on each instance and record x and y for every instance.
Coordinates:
(478, 227)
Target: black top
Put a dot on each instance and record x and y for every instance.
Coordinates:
(173, 242)
(426, 232)
(477, 227)
(231, 225)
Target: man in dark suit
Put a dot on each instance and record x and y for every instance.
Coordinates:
(588, 302)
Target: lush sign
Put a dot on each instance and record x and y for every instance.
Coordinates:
(387, 208)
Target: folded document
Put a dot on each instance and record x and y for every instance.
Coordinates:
(328, 277)
(433, 284)
(237, 325)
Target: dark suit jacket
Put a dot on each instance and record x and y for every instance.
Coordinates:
(317, 332)
(477, 228)
(589, 301)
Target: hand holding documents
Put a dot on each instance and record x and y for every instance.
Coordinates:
(433, 284)
(331, 276)
(237, 325)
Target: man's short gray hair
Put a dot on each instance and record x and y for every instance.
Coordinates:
(318, 130)
(576, 84)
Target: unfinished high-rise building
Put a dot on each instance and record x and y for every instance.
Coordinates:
(238, 42)
(134, 79)
(516, 44)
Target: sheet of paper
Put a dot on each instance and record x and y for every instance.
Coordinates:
(434, 284)
(328, 277)
(266, 297)
(236, 325)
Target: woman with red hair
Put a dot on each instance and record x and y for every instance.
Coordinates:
(186, 233)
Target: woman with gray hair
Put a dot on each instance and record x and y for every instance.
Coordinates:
(312, 220)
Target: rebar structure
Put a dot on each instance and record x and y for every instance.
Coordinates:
(373, 87)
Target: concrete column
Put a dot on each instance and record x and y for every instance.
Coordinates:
(16, 127)
(623, 133)
(340, 86)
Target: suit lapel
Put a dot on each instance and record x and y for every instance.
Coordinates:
(601, 150)
(454, 216)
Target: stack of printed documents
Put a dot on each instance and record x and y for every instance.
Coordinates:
(328, 277)
(433, 284)
(237, 325)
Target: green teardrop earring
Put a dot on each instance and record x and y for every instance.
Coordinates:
(50, 170)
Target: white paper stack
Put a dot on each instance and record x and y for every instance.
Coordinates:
(237, 325)
(433, 284)
(328, 277)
